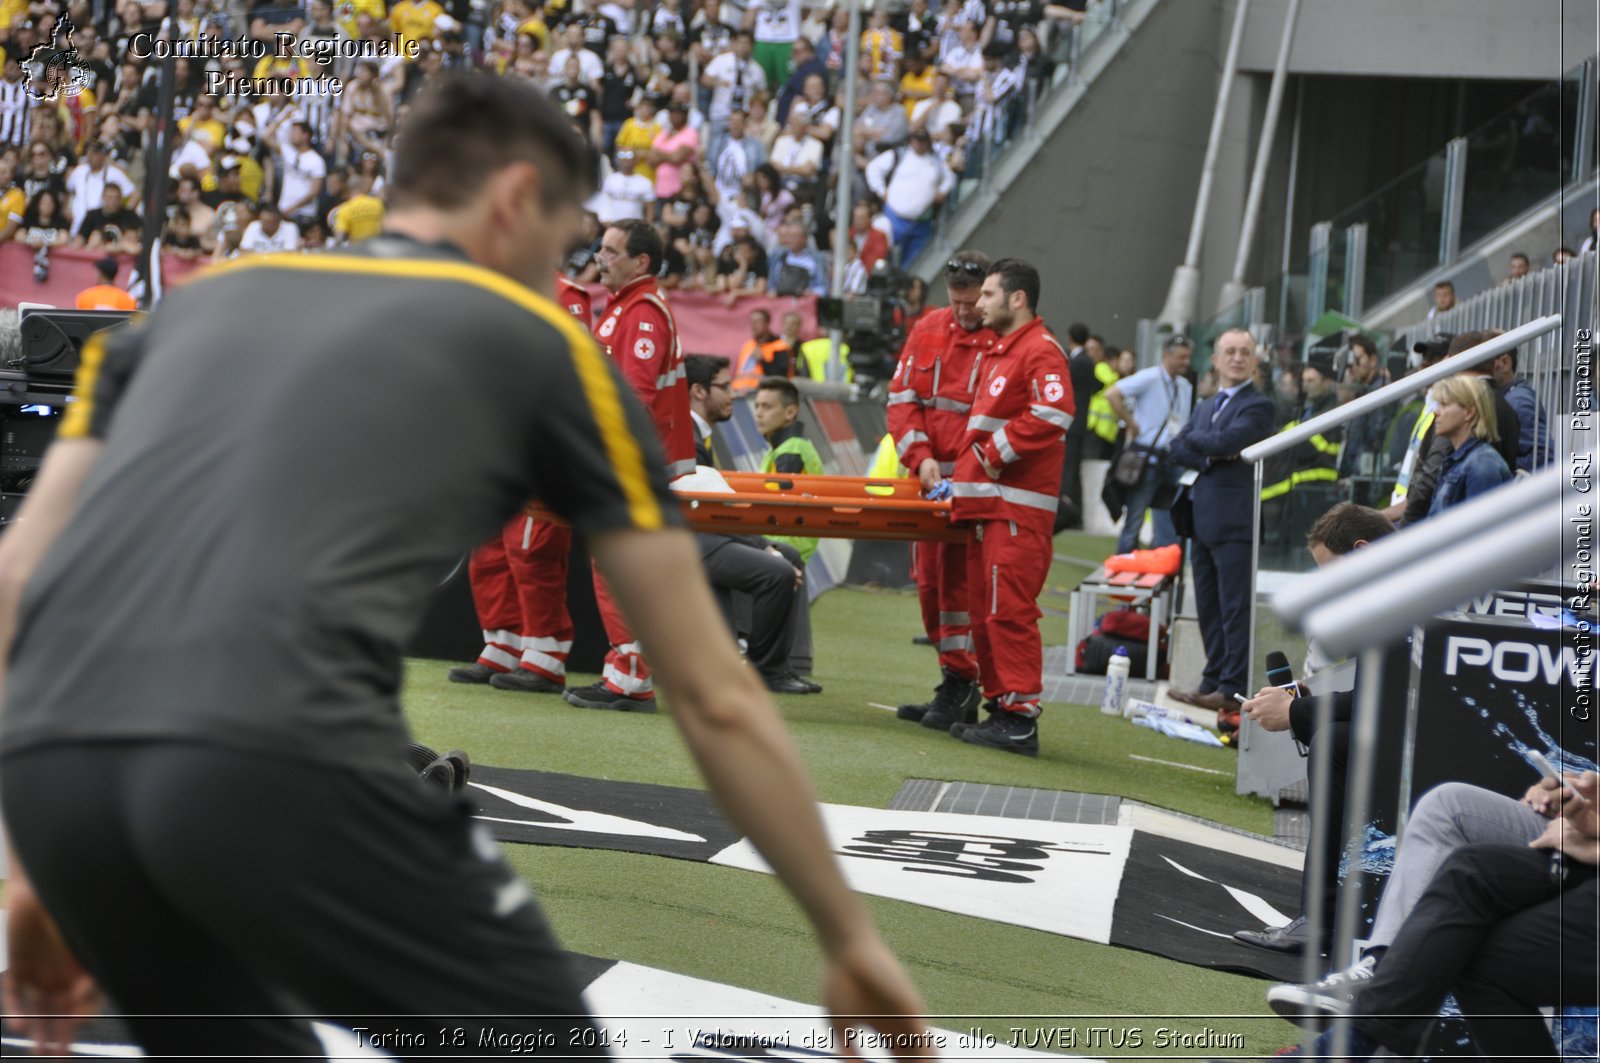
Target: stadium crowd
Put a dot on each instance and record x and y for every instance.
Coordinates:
(718, 121)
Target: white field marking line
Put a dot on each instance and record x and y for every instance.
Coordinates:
(1175, 764)
(886, 708)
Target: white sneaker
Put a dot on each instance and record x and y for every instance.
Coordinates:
(1327, 999)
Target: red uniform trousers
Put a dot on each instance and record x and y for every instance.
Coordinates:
(941, 573)
(519, 588)
(1007, 562)
(625, 671)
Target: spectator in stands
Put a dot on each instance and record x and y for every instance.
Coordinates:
(1516, 268)
(962, 62)
(1444, 299)
(638, 134)
(939, 111)
(1587, 244)
(626, 193)
(805, 64)
(1561, 255)
(44, 223)
(620, 86)
(673, 150)
(300, 179)
(13, 200)
(360, 216)
(579, 99)
(882, 126)
(776, 24)
(86, 183)
(270, 232)
(734, 79)
(793, 338)
(797, 155)
(1153, 405)
(742, 266)
(112, 227)
(868, 235)
(732, 169)
(912, 183)
(994, 95)
(1341, 530)
(822, 116)
(1534, 449)
(796, 269)
(1465, 419)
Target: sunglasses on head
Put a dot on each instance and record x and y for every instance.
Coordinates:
(957, 268)
(1178, 340)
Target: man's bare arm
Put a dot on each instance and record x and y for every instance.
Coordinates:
(742, 748)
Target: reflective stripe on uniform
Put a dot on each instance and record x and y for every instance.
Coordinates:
(1050, 415)
(683, 467)
(980, 423)
(955, 619)
(909, 440)
(1014, 495)
(899, 398)
(953, 405)
(1003, 444)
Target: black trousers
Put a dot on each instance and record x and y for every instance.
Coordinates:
(1222, 589)
(1498, 932)
(769, 581)
(1327, 823)
(219, 897)
(1071, 468)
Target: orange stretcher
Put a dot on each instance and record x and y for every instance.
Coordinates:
(821, 507)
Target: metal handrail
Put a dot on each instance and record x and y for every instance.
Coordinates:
(1511, 533)
(1408, 385)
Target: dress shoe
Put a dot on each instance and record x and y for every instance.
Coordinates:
(1291, 938)
(525, 681)
(786, 683)
(1215, 700)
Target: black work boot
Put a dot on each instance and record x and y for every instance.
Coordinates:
(915, 713)
(956, 702)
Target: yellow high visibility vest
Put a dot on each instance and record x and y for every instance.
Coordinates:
(1413, 453)
(1102, 418)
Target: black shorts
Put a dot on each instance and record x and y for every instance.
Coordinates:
(193, 880)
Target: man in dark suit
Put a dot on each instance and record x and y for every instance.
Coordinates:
(770, 573)
(1080, 371)
(1221, 509)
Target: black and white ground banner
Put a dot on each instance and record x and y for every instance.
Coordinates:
(1111, 884)
(547, 808)
(1184, 901)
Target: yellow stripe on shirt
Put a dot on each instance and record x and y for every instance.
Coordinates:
(80, 411)
(594, 373)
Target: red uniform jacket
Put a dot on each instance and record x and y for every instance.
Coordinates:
(638, 333)
(1009, 467)
(575, 297)
(931, 396)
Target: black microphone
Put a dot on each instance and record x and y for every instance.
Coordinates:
(1279, 673)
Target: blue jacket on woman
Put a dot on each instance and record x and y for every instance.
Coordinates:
(1469, 470)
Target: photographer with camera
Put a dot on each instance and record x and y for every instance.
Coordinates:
(928, 406)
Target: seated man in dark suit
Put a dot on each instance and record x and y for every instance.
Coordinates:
(1337, 532)
(1220, 505)
(771, 573)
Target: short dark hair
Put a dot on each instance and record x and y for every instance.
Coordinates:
(107, 268)
(1346, 524)
(467, 126)
(746, 34)
(1521, 255)
(783, 386)
(1078, 333)
(1017, 276)
(1444, 284)
(642, 240)
(1464, 341)
(295, 125)
(703, 368)
(1358, 339)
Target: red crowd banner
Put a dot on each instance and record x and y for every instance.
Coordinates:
(706, 324)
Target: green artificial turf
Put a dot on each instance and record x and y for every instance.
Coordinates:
(739, 928)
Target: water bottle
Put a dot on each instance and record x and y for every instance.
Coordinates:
(1117, 670)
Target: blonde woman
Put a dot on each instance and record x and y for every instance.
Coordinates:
(1466, 419)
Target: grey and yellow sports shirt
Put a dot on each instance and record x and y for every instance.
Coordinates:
(297, 449)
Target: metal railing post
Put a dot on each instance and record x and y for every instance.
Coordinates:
(1317, 280)
(1074, 53)
(1583, 137)
(1355, 269)
(1455, 187)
